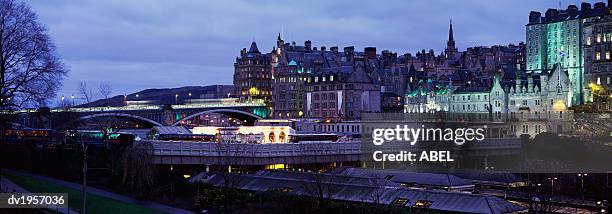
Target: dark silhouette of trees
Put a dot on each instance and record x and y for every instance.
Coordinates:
(30, 68)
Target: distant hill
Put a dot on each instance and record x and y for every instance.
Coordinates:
(167, 95)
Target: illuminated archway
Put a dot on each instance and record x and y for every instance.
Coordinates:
(271, 137)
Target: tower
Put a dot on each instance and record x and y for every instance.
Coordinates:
(450, 50)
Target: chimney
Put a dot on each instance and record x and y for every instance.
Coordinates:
(334, 49)
(323, 49)
(517, 88)
(307, 45)
(543, 81)
(585, 7)
(600, 6)
(572, 9)
(349, 52)
(534, 17)
(530, 83)
(551, 14)
(370, 52)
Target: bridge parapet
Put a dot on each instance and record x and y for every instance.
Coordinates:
(166, 148)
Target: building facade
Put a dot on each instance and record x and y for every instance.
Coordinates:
(557, 37)
(252, 74)
(539, 104)
(598, 62)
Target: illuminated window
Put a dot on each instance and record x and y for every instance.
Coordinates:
(588, 41)
(597, 56)
(400, 202)
(608, 55)
(598, 39)
(422, 204)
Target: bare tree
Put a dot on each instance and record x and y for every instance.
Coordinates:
(106, 127)
(105, 89)
(86, 93)
(30, 68)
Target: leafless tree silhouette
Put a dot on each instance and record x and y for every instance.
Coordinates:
(30, 68)
(105, 89)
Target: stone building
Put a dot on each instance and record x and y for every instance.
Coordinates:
(557, 37)
(252, 74)
(322, 83)
(597, 34)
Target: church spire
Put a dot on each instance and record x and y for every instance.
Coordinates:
(451, 40)
(450, 50)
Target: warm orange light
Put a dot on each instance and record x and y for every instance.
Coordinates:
(559, 105)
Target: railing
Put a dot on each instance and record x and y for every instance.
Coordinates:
(169, 148)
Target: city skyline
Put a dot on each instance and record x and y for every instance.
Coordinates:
(199, 45)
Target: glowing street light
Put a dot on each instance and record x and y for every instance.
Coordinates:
(552, 185)
(176, 99)
(582, 176)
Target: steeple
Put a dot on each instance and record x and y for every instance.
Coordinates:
(450, 50)
(451, 40)
(279, 37)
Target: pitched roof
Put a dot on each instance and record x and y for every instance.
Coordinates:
(253, 48)
(465, 89)
(308, 184)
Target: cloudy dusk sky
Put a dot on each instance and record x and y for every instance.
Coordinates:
(136, 44)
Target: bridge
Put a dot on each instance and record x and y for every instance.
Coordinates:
(147, 115)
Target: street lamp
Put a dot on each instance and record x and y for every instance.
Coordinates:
(63, 98)
(72, 97)
(582, 176)
(189, 97)
(176, 99)
(552, 186)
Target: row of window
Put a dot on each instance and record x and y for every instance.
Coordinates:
(469, 97)
(324, 105)
(331, 96)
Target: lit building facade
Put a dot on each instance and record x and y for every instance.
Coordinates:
(557, 37)
(289, 74)
(530, 107)
(248, 134)
(252, 74)
(342, 93)
(536, 108)
(598, 62)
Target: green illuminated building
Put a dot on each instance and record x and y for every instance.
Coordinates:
(557, 37)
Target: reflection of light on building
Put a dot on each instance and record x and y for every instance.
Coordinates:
(253, 134)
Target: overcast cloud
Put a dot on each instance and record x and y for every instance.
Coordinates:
(137, 44)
